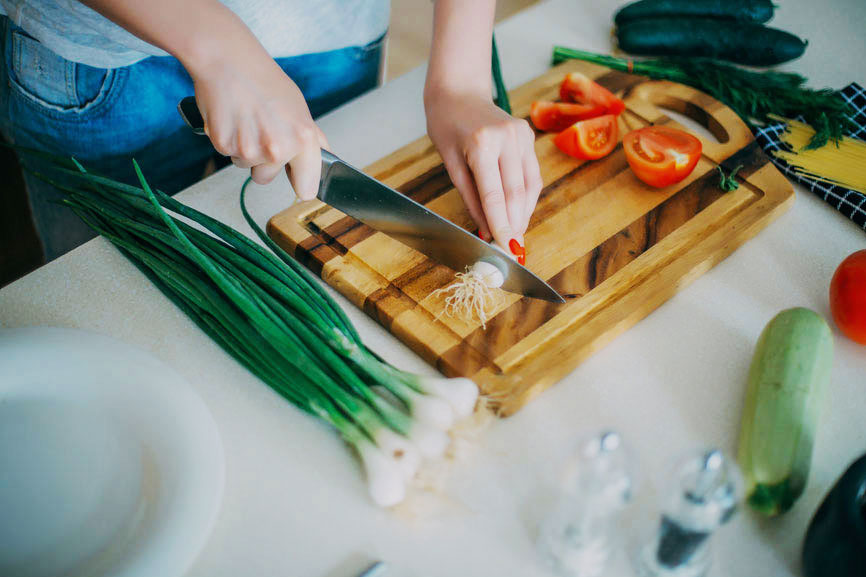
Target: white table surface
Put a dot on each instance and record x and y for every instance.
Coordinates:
(295, 502)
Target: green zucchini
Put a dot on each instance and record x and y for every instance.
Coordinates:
(741, 10)
(788, 377)
(740, 42)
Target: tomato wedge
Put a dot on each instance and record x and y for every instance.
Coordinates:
(576, 87)
(661, 155)
(556, 116)
(589, 139)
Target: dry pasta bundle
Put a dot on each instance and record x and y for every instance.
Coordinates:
(843, 164)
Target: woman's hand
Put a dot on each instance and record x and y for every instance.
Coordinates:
(253, 112)
(490, 157)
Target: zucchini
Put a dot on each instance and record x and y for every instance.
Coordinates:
(787, 380)
(740, 42)
(741, 10)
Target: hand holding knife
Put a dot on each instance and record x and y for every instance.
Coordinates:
(351, 191)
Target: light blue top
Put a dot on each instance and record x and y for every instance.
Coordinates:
(284, 27)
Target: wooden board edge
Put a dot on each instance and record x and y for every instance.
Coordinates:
(598, 330)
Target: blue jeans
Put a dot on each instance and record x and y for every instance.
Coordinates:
(104, 117)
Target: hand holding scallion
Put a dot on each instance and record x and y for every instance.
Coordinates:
(489, 155)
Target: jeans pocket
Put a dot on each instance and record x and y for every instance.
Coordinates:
(54, 85)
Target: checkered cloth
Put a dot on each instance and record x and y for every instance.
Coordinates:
(849, 202)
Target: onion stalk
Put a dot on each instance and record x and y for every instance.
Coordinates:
(267, 312)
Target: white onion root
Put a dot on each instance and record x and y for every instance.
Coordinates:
(444, 418)
(401, 450)
(385, 480)
(473, 293)
(461, 393)
(430, 410)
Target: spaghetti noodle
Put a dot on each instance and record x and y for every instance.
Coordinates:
(843, 164)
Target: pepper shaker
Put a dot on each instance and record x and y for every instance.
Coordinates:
(704, 496)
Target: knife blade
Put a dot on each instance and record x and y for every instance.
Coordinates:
(364, 198)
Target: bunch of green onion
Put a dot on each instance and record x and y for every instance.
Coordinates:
(273, 317)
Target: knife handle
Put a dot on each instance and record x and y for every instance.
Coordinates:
(188, 110)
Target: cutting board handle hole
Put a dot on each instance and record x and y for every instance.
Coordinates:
(693, 118)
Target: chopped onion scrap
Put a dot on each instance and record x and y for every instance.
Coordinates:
(473, 293)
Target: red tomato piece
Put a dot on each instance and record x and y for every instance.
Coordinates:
(661, 155)
(589, 139)
(848, 297)
(556, 116)
(578, 88)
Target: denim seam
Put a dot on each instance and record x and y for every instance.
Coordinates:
(16, 52)
(71, 88)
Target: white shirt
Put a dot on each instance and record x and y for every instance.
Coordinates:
(284, 27)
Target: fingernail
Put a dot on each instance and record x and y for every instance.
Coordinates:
(516, 248)
(482, 236)
(521, 259)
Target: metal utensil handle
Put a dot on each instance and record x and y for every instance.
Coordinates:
(188, 110)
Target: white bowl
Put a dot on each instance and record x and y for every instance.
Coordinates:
(110, 464)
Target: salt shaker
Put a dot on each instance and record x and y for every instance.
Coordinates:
(577, 536)
(704, 496)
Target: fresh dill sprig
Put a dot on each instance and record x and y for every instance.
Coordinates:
(728, 182)
(753, 95)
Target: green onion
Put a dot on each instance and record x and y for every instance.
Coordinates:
(268, 312)
(501, 99)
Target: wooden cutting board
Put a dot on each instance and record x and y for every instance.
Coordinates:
(614, 247)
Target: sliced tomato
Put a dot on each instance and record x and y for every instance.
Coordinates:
(578, 88)
(556, 116)
(589, 139)
(661, 155)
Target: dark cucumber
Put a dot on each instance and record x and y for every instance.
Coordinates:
(741, 10)
(740, 42)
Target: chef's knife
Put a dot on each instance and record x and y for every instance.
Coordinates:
(349, 190)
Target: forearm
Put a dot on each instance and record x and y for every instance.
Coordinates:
(196, 32)
(460, 55)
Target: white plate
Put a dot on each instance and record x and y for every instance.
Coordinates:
(110, 464)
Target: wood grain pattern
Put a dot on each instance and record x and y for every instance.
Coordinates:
(614, 247)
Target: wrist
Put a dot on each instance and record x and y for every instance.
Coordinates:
(437, 91)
